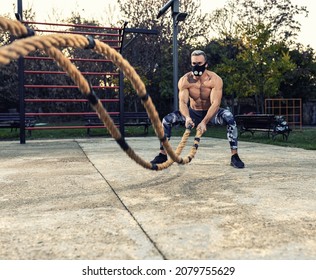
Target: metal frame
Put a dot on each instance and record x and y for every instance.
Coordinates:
(290, 108)
(22, 72)
(177, 17)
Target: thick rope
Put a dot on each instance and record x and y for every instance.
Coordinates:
(50, 43)
(14, 27)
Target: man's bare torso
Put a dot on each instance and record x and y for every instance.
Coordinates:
(199, 89)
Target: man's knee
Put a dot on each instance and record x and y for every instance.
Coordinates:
(167, 120)
(172, 118)
(229, 118)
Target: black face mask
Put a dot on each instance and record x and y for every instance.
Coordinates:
(198, 70)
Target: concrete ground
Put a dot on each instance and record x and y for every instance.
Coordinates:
(85, 199)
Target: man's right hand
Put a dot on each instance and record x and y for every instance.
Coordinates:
(189, 123)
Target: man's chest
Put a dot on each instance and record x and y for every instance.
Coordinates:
(199, 90)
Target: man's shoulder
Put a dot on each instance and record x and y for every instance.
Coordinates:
(214, 77)
(186, 75)
(212, 73)
(187, 78)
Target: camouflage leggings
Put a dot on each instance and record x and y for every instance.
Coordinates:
(222, 117)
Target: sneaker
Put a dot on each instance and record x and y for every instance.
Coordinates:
(236, 161)
(159, 159)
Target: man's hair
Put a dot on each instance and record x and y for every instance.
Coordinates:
(199, 52)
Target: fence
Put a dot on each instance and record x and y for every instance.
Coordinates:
(290, 108)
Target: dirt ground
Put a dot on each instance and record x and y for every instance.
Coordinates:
(85, 199)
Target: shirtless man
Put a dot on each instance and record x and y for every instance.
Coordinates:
(200, 95)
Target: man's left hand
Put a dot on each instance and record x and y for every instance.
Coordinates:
(202, 127)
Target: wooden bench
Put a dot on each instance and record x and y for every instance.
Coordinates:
(260, 122)
(130, 119)
(12, 120)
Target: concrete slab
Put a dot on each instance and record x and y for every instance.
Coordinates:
(85, 199)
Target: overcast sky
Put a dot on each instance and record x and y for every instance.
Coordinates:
(47, 11)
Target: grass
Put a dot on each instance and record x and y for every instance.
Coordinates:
(305, 139)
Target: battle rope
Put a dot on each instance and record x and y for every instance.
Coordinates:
(49, 43)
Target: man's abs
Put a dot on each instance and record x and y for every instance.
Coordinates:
(200, 105)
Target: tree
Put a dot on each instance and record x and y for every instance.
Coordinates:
(261, 33)
(278, 15)
(152, 55)
(301, 81)
(266, 64)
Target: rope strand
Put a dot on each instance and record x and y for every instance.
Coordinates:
(51, 43)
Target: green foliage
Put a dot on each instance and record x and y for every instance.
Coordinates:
(240, 15)
(300, 82)
(252, 66)
(304, 139)
(267, 61)
(259, 36)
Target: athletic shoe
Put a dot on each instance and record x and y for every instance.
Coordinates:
(159, 159)
(236, 161)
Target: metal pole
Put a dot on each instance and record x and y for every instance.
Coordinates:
(174, 4)
(121, 119)
(21, 85)
(175, 12)
(175, 64)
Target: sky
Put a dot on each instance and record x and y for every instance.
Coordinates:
(50, 10)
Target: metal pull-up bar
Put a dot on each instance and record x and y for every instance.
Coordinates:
(167, 6)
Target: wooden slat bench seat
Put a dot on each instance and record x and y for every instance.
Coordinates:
(260, 122)
(12, 120)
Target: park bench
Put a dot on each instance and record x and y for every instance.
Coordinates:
(264, 123)
(12, 120)
(130, 119)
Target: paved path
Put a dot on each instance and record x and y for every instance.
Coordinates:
(85, 199)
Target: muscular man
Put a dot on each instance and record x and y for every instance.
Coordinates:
(200, 95)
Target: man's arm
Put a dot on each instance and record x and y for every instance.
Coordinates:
(216, 98)
(183, 103)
